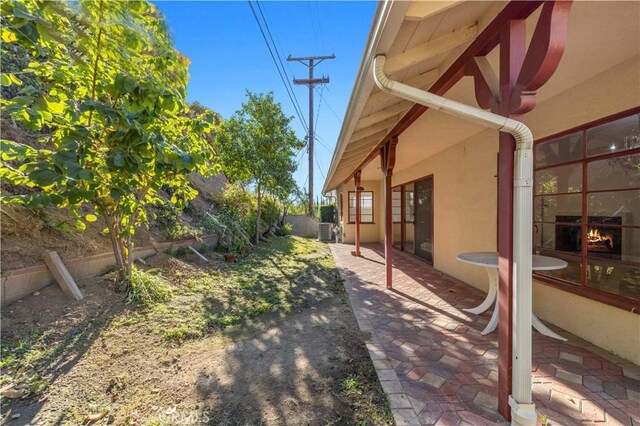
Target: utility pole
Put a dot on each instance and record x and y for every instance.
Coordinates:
(310, 62)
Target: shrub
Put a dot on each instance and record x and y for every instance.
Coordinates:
(232, 236)
(237, 200)
(271, 210)
(148, 288)
(284, 230)
(169, 220)
(237, 216)
(327, 213)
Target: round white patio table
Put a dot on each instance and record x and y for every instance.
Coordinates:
(489, 260)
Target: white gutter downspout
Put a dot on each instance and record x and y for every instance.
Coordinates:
(522, 408)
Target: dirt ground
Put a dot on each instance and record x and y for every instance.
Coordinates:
(270, 340)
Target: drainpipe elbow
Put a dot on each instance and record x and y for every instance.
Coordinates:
(381, 79)
(521, 133)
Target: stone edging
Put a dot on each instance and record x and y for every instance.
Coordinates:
(401, 408)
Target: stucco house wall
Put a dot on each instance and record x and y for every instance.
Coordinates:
(465, 205)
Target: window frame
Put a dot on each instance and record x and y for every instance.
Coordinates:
(373, 210)
(581, 288)
(395, 189)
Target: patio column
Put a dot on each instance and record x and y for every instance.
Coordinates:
(387, 161)
(512, 51)
(356, 178)
(513, 94)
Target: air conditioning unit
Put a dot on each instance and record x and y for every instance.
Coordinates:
(324, 231)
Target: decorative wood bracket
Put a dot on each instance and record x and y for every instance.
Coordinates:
(543, 56)
(540, 62)
(388, 156)
(356, 179)
(487, 85)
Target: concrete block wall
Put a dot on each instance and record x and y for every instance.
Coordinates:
(303, 225)
(19, 283)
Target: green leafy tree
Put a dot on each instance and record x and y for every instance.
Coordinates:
(109, 104)
(257, 146)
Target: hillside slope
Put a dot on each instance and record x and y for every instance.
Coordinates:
(26, 234)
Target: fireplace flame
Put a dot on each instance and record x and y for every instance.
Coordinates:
(597, 241)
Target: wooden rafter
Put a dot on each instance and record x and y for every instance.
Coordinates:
(431, 49)
(377, 137)
(420, 10)
(383, 114)
(375, 128)
(355, 153)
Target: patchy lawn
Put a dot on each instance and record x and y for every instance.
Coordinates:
(268, 340)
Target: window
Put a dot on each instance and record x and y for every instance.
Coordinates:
(587, 207)
(366, 207)
(409, 209)
(396, 204)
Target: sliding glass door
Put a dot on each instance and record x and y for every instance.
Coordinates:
(424, 219)
(409, 218)
(412, 211)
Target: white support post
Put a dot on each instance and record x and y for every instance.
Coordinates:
(523, 410)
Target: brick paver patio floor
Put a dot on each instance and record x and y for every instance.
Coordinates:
(437, 368)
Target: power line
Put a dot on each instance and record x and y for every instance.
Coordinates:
(323, 144)
(322, 38)
(275, 47)
(324, 176)
(327, 104)
(284, 81)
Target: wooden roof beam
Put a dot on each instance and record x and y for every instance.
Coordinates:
(431, 49)
(348, 166)
(420, 10)
(383, 114)
(356, 154)
(377, 137)
(375, 128)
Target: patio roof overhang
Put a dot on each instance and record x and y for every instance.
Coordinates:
(424, 42)
(428, 44)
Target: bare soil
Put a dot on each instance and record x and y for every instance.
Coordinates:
(270, 340)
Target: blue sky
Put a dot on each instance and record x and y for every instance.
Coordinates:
(228, 55)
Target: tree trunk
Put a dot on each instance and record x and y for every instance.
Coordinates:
(258, 215)
(129, 254)
(115, 244)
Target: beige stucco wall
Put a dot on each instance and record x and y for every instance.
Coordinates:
(465, 201)
(613, 329)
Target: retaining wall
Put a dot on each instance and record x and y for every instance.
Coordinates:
(19, 283)
(303, 225)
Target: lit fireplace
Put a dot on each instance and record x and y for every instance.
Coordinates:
(603, 239)
(599, 241)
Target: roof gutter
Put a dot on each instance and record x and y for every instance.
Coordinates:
(387, 21)
(522, 407)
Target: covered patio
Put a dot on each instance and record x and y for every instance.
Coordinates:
(436, 367)
(500, 131)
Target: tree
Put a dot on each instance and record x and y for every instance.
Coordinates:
(110, 107)
(257, 146)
